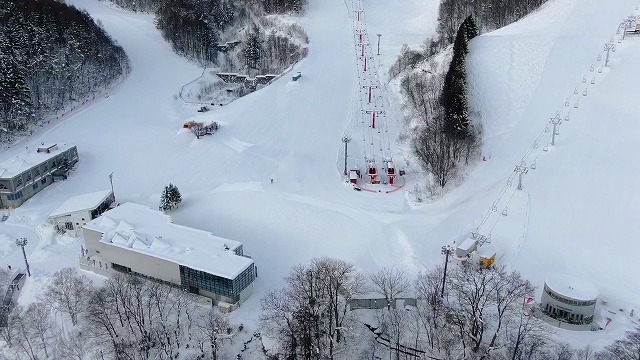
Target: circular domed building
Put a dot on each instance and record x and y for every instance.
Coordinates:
(568, 298)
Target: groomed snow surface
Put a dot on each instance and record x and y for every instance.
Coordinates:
(576, 214)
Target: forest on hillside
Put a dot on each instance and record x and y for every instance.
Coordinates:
(52, 56)
(442, 129)
(239, 35)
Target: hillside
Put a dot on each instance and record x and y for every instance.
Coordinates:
(576, 213)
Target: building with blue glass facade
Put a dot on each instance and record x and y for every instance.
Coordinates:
(136, 239)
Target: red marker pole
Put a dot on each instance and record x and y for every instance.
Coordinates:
(373, 124)
(362, 49)
(365, 64)
(369, 94)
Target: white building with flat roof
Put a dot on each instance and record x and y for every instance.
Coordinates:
(569, 298)
(136, 239)
(77, 211)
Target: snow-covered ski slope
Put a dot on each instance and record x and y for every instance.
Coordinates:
(576, 213)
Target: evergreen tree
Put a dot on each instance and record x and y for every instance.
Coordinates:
(454, 91)
(253, 48)
(51, 54)
(165, 202)
(470, 28)
(175, 198)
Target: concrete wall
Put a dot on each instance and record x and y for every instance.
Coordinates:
(138, 262)
(244, 294)
(78, 219)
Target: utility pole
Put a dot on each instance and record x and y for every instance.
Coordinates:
(346, 140)
(446, 251)
(379, 35)
(22, 242)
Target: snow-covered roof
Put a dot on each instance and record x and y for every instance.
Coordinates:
(487, 251)
(571, 287)
(81, 203)
(31, 157)
(142, 229)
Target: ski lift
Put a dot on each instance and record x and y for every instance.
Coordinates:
(533, 165)
(372, 171)
(391, 172)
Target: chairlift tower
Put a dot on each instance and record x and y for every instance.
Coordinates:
(556, 121)
(346, 140)
(608, 47)
(480, 239)
(521, 169)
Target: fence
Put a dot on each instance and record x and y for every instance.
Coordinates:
(380, 303)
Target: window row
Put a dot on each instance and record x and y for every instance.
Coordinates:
(16, 196)
(567, 301)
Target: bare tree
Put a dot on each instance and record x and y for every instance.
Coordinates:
(310, 317)
(585, 354)
(526, 336)
(73, 346)
(509, 292)
(625, 349)
(473, 290)
(38, 317)
(563, 351)
(340, 282)
(104, 323)
(432, 309)
(390, 283)
(213, 326)
(277, 320)
(68, 292)
(21, 334)
(396, 320)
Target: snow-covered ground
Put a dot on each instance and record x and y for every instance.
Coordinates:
(576, 214)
